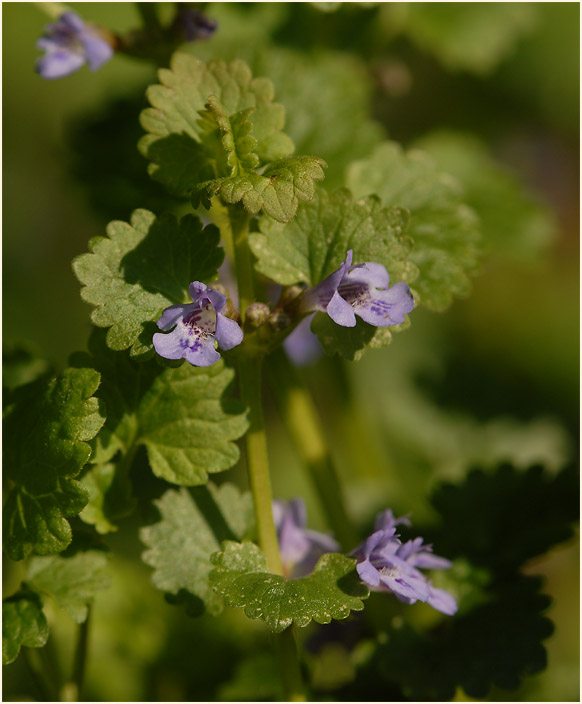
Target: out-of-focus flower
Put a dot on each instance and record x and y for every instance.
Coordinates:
(302, 346)
(68, 43)
(197, 326)
(361, 290)
(300, 548)
(194, 25)
(386, 564)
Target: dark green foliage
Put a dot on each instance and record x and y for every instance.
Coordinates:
(503, 519)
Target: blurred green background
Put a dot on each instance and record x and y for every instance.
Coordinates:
(495, 378)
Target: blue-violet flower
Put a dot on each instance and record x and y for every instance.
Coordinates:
(68, 44)
(386, 564)
(197, 326)
(361, 290)
(300, 549)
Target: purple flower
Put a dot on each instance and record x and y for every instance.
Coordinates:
(196, 326)
(386, 564)
(361, 290)
(300, 549)
(302, 346)
(68, 43)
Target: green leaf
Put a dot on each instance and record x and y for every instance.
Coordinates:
(502, 519)
(445, 231)
(49, 423)
(21, 364)
(337, 88)
(466, 36)
(175, 120)
(277, 190)
(23, 623)
(513, 223)
(181, 415)
(141, 268)
(193, 524)
(331, 591)
(110, 496)
(316, 242)
(351, 343)
(214, 130)
(496, 643)
(72, 582)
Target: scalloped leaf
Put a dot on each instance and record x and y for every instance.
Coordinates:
(495, 644)
(331, 591)
(23, 623)
(72, 581)
(445, 231)
(178, 144)
(50, 423)
(193, 524)
(502, 519)
(276, 191)
(180, 414)
(140, 268)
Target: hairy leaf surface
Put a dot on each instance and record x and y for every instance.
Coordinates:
(331, 591)
(193, 524)
(49, 423)
(23, 623)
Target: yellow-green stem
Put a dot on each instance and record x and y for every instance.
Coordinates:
(302, 421)
(258, 462)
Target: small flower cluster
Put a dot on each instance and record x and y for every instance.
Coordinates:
(384, 563)
(349, 291)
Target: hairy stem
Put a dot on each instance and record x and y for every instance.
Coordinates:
(73, 690)
(240, 221)
(302, 420)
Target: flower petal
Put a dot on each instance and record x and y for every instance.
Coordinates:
(370, 273)
(228, 333)
(386, 307)
(368, 573)
(173, 314)
(341, 312)
(442, 601)
(97, 50)
(59, 63)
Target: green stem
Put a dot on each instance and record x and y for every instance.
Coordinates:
(302, 420)
(240, 221)
(73, 690)
(39, 674)
(257, 461)
(286, 648)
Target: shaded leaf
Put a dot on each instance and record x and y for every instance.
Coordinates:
(513, 223)
(466, 36)
(49, 423)
(495, 644)
(192, 526)
(141, 268)
(23, 623)
(181, 415)
(500, 520)
(331, 591)
(72, 581)
(445, 231)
